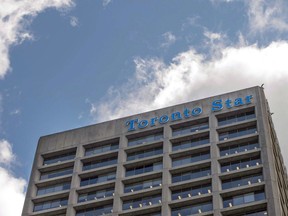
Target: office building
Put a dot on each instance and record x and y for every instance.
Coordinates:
(217, 156)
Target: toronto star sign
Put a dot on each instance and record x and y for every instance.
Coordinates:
(217, 105)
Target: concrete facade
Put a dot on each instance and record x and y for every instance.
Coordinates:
(188, 161)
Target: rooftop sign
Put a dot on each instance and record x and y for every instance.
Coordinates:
(216, 106)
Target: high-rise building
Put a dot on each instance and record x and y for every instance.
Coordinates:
(210, 157)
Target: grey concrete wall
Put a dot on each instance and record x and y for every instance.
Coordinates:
(118, 129)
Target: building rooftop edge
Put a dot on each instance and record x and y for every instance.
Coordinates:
(121, 118)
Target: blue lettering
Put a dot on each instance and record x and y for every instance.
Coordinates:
(238, 102)
(248, 99)
(153, 120)
(196, 111)
(143, 124)
(186, 113)
(131, 124)
(228, 103)
(176, 116)
(217, 105)
(163, 119)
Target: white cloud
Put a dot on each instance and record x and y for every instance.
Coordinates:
(267, 15)
(15, 16)
(106, 2)
(212, 36)
(1, 111)
(6, 155)
(214, 42)
(15, 112)
(169, 39)
(12, 188)
(93, 108)
(74, 21)
(264, 15)
(190, 76)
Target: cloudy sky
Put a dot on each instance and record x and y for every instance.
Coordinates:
(66, 64)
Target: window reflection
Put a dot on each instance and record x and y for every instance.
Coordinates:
(144, 153)
(59, 158)
(53, 188)
(192, 209)
(142, 185)
(256, 213)
(99, 163)
(237, 133)
(240, 164)
(50, 204)
(153, 214)
(241, 181)
(242, 147)
(145, 139)
(190, 143)
(191, 159)
(143, 169)
(191, 191)
(101, 149)
(197, 173)
(56, 173)
(190, 129)
(98, 179)
(102, 210)
(244, 198)
(236, 118)
(94, 195)
(141, 202)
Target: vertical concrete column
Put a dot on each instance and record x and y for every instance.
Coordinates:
(120, 173)
(75, 182)
(267, 157)
(166, 176)
(214, 152)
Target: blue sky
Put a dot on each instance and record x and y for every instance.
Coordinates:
(65, 64)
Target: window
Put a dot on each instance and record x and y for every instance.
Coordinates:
(152, 214)
(50, 204)
(191, 159)
(249, 198)
(192, 209)
(102, 210)
(98, 179)
(56, 173)
(240, 164)
(144, 153)
(141, 202)
(230, 119)
(144, 169)
(53, 188)
(240, 181)
(197, 173)
(145, 139)
(59, 158)
(242, 147)
(190, 143)
(101, 149)
(94, 195)
(237, 132)
(99, 163)
(191, 191)
(142, 185)
(194, 127)
(243, 198)
(255, 213)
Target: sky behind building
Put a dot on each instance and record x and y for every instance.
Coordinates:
(66, 64)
